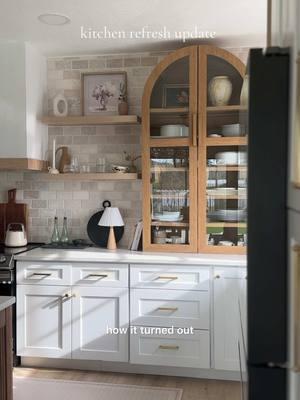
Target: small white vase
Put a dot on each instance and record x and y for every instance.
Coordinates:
(60, 106)
(245, 91)
(219, 90)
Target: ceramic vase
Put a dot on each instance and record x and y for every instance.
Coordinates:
(123, 108)
(219, 90)
(245, 91)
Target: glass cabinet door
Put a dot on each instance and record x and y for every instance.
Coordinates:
(170, 154)
(170, 197)
(225, 153)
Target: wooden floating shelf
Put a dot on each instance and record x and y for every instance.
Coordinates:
(226, 141)
(225, 109)
(170, 224)
(226, 225)
(92, 120)
(178, 110)
(229, 168)
(100, 176)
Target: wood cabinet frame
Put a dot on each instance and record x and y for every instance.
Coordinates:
(197, 143)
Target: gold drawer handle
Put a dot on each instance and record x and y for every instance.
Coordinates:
(168, 278)
(165, 347)
(40, 274)
(167, 308)
(97, 276)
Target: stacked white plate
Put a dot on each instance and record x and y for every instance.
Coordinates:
(168, 216)
(227, 215)
(231, 157)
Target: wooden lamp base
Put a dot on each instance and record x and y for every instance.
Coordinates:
(111, 243)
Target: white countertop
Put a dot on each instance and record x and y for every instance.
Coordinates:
(131, 257)
(6, 301)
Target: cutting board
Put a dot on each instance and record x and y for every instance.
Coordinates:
(11, 212)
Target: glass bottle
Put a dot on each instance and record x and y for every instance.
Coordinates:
(64, 238)
(55, 234)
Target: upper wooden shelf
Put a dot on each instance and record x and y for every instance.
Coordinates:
(92, 120)
(100, 176)
(225, 109)
(227, 141)
(178, 110)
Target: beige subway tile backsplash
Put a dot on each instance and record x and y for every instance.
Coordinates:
(78, 200)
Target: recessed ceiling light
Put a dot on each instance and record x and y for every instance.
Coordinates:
(53, 19)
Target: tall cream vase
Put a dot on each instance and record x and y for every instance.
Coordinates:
(220, 89)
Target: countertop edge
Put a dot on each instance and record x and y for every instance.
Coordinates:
(129, 257)
(6, 301)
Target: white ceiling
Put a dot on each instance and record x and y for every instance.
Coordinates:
(236, 23)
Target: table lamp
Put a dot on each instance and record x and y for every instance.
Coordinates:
(111, 217)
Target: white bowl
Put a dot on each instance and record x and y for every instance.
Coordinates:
(228, 157)
(174, 130)
(231, 130)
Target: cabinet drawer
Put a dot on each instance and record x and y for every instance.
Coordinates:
(171, 350)
(169, 277)
(43, 273)
(170, 308)
(109, 275)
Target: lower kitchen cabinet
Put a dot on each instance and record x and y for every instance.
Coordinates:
(228, 283)
(44, 318)
(176, 349)
(72, 322)
(96, 310)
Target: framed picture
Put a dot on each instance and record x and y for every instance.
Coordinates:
(100, 92)
(176, 95)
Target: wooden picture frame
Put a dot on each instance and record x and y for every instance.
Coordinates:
(100, 92)
(169, 95)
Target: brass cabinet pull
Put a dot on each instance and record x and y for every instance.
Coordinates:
(168, 278)
(194, 129)
(167, 308)
(68, 296)
(165, 347)
(97, 276)
(41, 274)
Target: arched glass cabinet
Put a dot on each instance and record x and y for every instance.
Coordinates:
(194, 164)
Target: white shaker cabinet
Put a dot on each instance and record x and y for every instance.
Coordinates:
(94, 310)
(228, 283)
(44, 321)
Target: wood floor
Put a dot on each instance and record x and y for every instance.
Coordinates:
(193, 389)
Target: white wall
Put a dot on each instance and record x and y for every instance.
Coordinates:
(36, 103)
(12, 100)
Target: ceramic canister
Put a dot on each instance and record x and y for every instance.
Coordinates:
(219, 90)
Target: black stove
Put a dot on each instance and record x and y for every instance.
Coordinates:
(8, 280)
(7, 254)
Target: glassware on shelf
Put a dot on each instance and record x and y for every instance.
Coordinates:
(64, 238)
(101, 164)
(55, 238)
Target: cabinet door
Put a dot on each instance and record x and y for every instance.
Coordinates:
(95, 311)
(44, 321)
(169, 127)
(227, 285)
